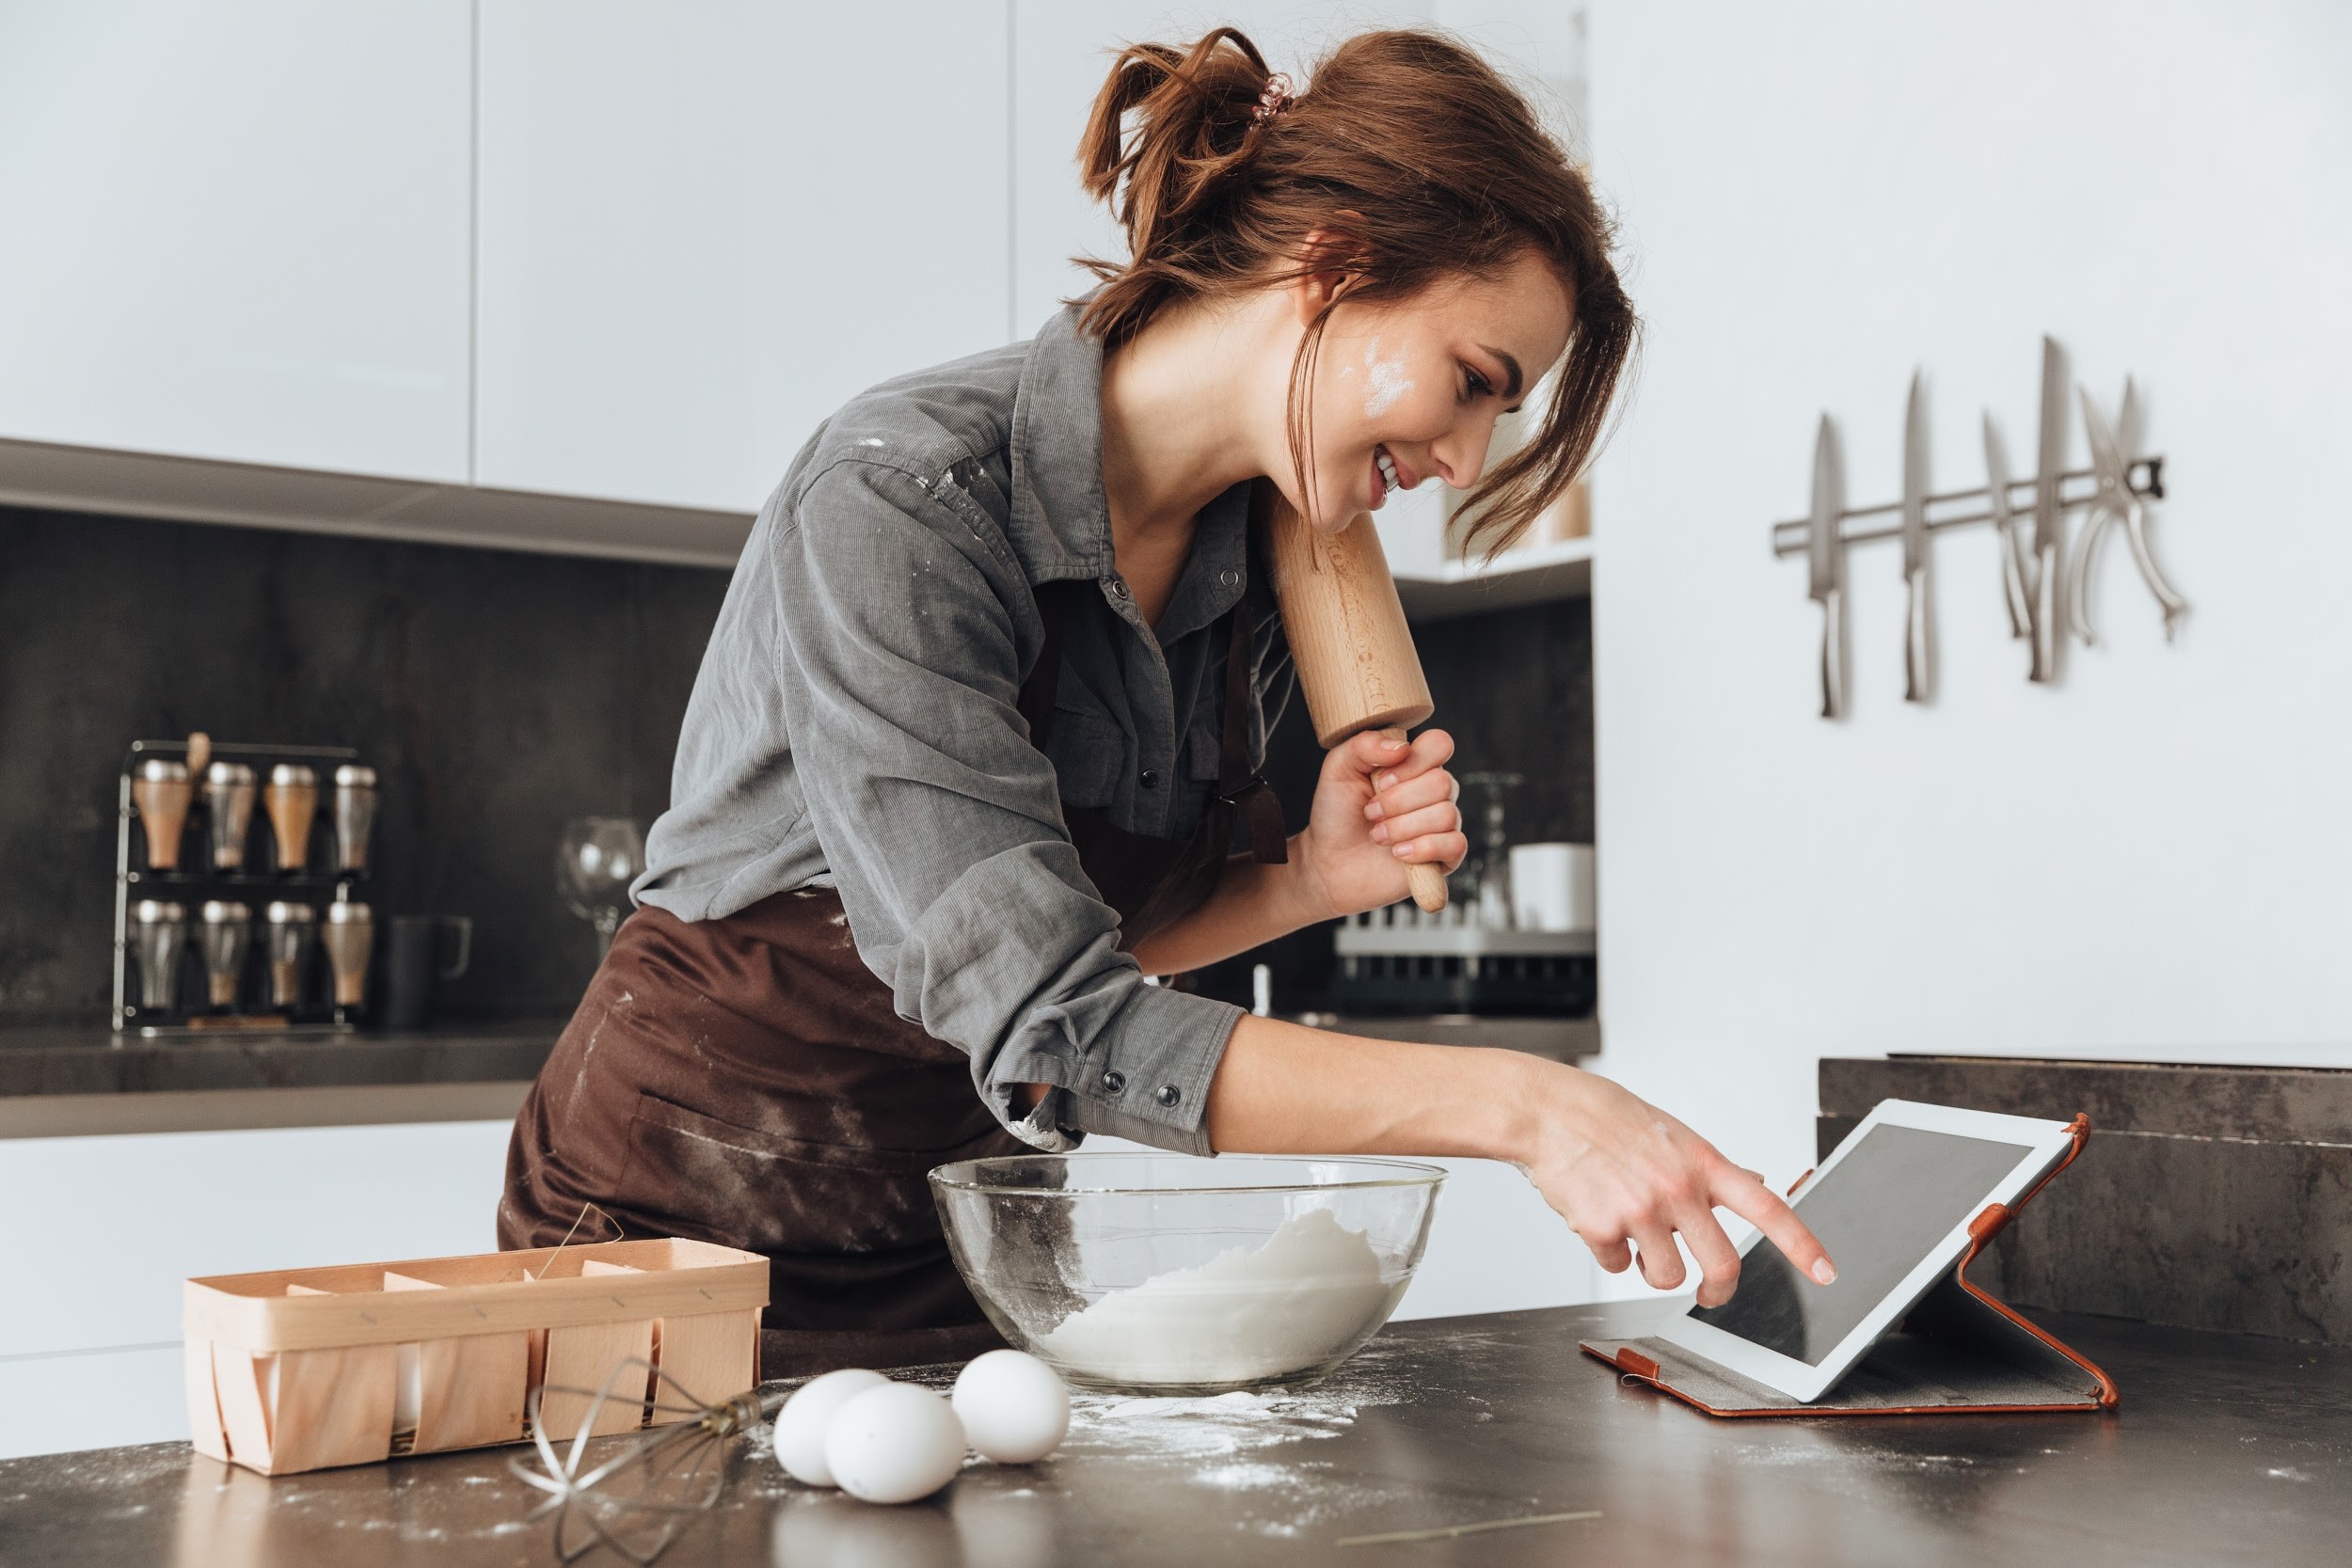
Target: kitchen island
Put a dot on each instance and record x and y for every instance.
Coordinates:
(2227, 1449)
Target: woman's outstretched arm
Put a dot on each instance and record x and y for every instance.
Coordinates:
(1624, 1175)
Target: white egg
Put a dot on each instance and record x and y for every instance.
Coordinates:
(801, 1424)
(1014, 1407)
(894, 1443)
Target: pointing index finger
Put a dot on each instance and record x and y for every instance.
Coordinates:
(1753, 1201)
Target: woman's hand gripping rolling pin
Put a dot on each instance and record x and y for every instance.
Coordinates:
(1379, 806)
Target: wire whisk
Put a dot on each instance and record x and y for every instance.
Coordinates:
(636, 1502)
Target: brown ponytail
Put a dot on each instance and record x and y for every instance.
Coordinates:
(1415, 153)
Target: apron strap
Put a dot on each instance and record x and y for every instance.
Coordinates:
(1036, 701)
(1237, 784)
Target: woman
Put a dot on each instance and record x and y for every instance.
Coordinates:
(983, 710)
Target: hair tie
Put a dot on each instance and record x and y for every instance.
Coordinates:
(1273, 100)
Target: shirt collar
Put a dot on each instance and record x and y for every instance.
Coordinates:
(1060, 511)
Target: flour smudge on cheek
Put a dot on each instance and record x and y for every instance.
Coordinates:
(1385, 381)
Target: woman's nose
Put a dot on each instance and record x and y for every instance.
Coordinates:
(1459, 456)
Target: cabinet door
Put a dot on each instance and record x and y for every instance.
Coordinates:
(704, 227)
(239, 230)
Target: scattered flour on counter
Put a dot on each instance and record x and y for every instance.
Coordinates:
(1215, 1427)
(1244, 1476)
(1313, 1287)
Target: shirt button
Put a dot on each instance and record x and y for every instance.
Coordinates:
(1118, 589)
(1113, 1081)
(1169, 1094)
(1150, 778)
(1229, 578)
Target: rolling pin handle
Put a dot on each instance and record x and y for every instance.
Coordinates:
(1426, 880)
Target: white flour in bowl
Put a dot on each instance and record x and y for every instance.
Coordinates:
(1312, 1289)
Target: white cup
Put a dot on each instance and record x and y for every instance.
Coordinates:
(1551, 887)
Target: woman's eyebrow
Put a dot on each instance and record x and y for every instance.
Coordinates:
(1510, 366)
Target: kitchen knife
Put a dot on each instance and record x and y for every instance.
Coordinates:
(1825, 560)
(1917, 679)
(2005, 527)
(2049, 518)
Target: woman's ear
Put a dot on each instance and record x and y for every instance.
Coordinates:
(1332, 263)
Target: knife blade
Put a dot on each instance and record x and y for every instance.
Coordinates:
(2049, 518)
(1918, 677)
(1825, 561)
(2004, 528)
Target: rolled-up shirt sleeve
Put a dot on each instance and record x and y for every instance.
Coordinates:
(900, 658)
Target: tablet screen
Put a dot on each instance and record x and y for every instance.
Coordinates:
(1879, 1211)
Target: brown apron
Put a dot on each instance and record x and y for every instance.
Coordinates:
(746, 1081)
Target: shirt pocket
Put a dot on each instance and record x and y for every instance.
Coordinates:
(1089, 756)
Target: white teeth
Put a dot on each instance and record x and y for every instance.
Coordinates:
(1387, 468)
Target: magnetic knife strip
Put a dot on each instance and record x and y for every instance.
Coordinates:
(2045, 587)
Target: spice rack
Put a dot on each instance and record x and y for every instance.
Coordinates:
(256, 883)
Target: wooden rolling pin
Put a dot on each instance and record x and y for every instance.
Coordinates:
(1348, 638)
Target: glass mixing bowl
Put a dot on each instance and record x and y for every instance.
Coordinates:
(1165, 1274)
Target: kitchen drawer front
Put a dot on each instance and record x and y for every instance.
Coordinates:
(111, 1225)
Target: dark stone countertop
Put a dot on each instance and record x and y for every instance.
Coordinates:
(93, 1060)
(2226, 1450)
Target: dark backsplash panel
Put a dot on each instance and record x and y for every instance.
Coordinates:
(2210, 1197)
(1515, 690)
(497, 692)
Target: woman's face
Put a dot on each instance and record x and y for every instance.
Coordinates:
(1409, 390)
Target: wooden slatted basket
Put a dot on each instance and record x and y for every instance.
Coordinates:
(304, 1368)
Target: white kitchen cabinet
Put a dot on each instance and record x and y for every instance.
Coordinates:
(704, 227)
(239, 230)
(106, 1228)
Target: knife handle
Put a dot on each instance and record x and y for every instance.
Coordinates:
(2167, 596)
(2045, 617)
(1833, 655)
(2078, 579)
(1916, 678)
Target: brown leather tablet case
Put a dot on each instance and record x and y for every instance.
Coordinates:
(1958, 1353)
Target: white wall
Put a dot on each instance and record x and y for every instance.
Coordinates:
(2153, 858)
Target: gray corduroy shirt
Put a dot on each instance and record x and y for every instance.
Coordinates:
(854, 724)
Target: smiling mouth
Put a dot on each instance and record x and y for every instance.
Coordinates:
(1385, 465)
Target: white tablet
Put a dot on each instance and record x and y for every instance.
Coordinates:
(1892, 1204)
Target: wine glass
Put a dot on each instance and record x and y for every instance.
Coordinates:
(594, 865)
